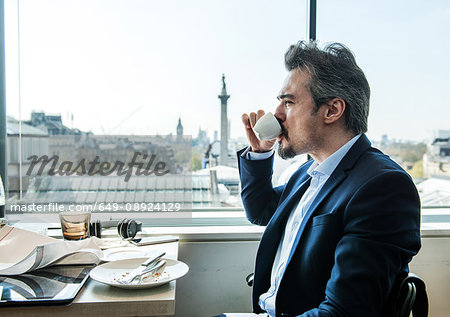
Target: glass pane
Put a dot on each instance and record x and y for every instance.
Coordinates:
(402, 47)
(107, 80)
(135, 74)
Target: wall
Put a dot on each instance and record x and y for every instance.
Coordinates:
(433, 265)
(216, 279)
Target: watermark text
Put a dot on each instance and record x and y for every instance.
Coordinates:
(140, 164)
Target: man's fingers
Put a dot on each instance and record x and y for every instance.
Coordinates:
(252, 119)
(245, 120)
(259, 114)
(249, 121)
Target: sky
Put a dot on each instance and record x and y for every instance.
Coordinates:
(136, 66)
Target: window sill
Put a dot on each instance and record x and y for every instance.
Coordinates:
(215, 225)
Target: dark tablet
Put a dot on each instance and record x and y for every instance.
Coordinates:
(47, 286)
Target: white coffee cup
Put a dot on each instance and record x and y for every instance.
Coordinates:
(267, 127)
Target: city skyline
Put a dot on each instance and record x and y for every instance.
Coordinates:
(210, 134)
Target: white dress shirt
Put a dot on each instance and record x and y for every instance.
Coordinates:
(319, 175)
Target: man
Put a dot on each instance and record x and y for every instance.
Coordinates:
(346, 224)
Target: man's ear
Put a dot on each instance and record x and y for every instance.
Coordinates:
(334, 110)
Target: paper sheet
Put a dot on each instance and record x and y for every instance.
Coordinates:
(23, 251)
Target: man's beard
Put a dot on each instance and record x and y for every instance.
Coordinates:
(301, 147)
(285, 152)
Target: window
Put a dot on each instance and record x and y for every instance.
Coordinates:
(402, 47)
(115, 78)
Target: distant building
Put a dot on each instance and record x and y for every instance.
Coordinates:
(107, 190)
(436, 161)
(434, 191)
(442, 134)
(384, 139)
(179, 129)
(52, 124)
(112, 148)
(34, 141)
(73, 183)
(222, 186)
(201, 140)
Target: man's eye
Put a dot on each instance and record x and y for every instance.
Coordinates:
(287, 102)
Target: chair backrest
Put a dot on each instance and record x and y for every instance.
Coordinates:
(408, 294)
(249, 279)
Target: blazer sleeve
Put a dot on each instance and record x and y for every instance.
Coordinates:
(259, 198)
(381, 233)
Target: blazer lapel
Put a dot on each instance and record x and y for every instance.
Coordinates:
(289, 202)
(277, 224)
(295, 188)
(273, 232)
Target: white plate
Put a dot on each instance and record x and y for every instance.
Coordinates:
(109, 273)
(124, 253)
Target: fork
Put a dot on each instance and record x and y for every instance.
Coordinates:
(144, 267)
(157, 268)
(151, 269)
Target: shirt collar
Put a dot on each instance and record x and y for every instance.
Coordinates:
(329, 165)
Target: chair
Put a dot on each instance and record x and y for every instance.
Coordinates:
(249, 279)
(407, 295)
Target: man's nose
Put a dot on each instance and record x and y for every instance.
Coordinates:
(280, 114)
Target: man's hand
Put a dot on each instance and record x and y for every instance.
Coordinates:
(256, 144)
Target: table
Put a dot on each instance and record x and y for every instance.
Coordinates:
(97, 299)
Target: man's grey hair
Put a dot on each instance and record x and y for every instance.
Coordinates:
(333, 74)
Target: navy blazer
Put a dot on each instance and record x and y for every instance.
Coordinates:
(359, 234)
